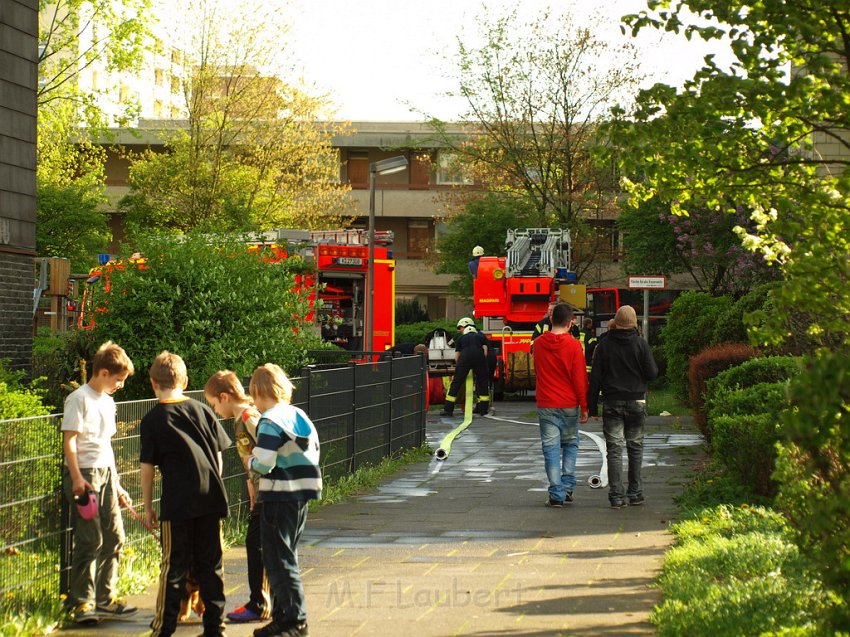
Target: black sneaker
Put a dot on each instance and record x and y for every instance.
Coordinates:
(636, 500)
(287, 629)
(568, 497)
(618, 503)
(555, 504)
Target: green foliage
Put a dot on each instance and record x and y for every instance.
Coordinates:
(25, 482)
(735, 571)
(484, 221)
(409, 312)
(764, 369)
(759, 137)
(209, 300)
(416, 332)
(368, 476)
(746, 445)
(761, 398)
(16, 399)
(813, 470)
(732, 324)
(688, 331)
(534, 93)
(701, 244)
(69, 222)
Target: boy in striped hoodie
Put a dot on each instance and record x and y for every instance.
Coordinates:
(287, 458)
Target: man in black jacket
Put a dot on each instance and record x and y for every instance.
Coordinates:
(622, 366)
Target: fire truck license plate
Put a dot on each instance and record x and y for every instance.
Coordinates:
(349, 261)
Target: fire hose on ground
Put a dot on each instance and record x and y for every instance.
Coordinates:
(595, 481)
(445, 447)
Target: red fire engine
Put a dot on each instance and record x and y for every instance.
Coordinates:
(513, 292)
(341, 260)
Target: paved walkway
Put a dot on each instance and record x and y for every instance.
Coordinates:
(466, 547)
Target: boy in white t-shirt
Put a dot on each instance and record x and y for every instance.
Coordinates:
(87, 427)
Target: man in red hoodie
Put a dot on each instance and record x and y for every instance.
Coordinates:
(561, 391)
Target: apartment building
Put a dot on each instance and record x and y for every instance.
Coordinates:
(18, 81)
(408, 203)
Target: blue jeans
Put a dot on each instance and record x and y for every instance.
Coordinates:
(559, 435)
(281, 525)
(622, 423)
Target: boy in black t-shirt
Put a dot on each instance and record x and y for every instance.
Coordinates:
(185, 440)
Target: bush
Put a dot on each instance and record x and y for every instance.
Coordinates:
(813, 470)
(209, 300)
(745, 444)
(763, 398)
(409, 312)
(23, 484)
(736, 571)
(16, 399)
(706, 365)
(763, 369)
(689, 330)
(416, 332)
(730, 326)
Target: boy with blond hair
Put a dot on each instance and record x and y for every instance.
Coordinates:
(88, 425)
(184, 439)
(287, 458)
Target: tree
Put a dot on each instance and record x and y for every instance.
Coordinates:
(484, 221)
(535, 94)
(702, 244)
(776, 143)
(745, 137)
(74, 35)
(208, 299)
(252, 155)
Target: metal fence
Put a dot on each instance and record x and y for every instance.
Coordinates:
(362, 411)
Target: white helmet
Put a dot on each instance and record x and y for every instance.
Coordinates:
(469, 329)
(477, 251)
(465, 322)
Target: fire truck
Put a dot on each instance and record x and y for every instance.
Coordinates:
(336, 288)
(513, 292)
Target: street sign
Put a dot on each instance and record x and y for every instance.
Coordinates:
(647, 282)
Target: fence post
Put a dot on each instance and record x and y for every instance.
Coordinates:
(392, 406)
(352, 438)
(423, 399)
(65, 545)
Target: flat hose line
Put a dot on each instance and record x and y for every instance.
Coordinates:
(595, 481)
(445, 447)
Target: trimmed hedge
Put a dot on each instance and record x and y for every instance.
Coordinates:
(764, 369)
(689, 330)
(706, 365)
(745, 444)
(416, 332)
(762, 398)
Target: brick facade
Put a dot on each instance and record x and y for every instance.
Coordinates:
(18, 82)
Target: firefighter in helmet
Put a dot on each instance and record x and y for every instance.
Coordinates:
(477, 253)
(470, 355)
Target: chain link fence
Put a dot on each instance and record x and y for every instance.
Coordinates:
(363, 412)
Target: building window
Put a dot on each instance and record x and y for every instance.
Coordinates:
(418, 238)
(449, 170)
(124, 94)
(157, 108)
(357, 169)
(175, 84)
(159, 77)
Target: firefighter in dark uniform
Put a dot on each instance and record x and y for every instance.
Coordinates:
(470, 355)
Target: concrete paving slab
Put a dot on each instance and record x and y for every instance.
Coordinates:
(466, 547)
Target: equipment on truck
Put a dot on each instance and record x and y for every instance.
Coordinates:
(336, 285)
(513, 292)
